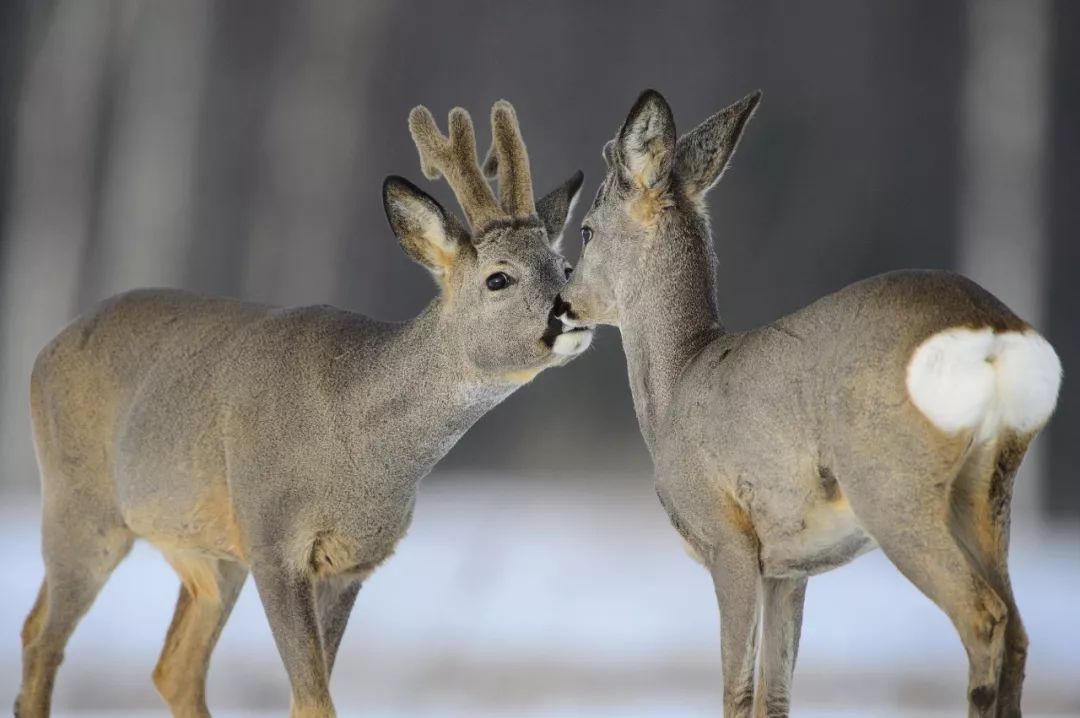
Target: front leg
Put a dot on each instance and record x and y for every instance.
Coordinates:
(335, 598)
(734, 569)
(781, 625)
(288, 596)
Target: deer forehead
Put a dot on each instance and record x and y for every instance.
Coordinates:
(527, 246)
(508, 233)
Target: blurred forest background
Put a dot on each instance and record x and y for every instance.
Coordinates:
(238, 147)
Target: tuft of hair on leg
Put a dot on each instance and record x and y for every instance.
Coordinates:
(34, 621)
(983, 697)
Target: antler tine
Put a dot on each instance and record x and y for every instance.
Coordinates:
(509, 161)
(454, 158)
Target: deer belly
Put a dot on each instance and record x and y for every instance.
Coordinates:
(828, 536)
(204, 524)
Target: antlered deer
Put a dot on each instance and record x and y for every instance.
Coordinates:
(287, 442)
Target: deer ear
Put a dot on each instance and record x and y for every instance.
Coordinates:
(645, 146)
(608, 153)
(555, 207)
(426, 231)
(702, 155)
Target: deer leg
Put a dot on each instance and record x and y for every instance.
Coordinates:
(78, 561)
(981, 502)
(998, 515)
(908, 515)
(736, 578)
(335, 598)
(782, 612)
(288, 596)
(1011, 682)
(208, 591)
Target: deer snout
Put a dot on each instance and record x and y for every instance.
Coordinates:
(565, 313)
(563, 337)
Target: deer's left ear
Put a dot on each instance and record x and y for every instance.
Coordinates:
(555, 208)
(703, 153)
(645, 146)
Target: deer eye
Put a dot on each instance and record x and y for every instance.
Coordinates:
(497, 281)
(586, 235)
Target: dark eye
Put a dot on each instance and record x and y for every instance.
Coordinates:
(586, 235)
(497, 281)
(568, 271)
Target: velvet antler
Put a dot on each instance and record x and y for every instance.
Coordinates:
(454, 158)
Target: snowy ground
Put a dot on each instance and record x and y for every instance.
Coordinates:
(552, 598)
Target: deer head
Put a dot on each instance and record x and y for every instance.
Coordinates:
(649, 214)
(498, 277)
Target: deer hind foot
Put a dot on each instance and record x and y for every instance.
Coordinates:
(986, 381)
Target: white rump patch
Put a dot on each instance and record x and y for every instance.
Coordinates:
(975, 379)
(1029, 377)
(951, 380)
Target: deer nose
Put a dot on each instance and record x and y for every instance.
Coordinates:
(562, 308)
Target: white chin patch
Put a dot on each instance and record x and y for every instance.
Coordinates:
(572, 343)
(567, 321)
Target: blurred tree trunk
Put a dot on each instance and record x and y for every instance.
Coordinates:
(16, 35)
(1061, 493)
(302, 211)
(1005, 109)
(143, 230)
(52, 201)
(239, 82)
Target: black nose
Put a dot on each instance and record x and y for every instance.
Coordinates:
(562, 308)
(553, 329)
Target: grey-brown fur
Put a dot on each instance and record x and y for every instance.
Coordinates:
(790, 449)
(285, 442)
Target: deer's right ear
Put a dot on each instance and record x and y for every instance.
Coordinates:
(645, 147)
(555, 208)
(428, 234)
(609, 153)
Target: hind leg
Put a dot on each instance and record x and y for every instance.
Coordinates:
(782, 613)
(1016, 639)
(908, 515)
(981, 516)
(79, 557)
(208, 591)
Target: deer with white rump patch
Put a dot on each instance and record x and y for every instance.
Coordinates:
(893, 414)
(286, 442)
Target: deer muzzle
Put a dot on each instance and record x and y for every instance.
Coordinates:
(563, 334)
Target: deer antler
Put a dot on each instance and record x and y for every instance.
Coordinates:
(454, 158)
(508, 160)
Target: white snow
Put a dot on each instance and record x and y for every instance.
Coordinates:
(533, 597)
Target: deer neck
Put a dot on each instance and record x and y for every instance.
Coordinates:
(667, 317)
(416, 388)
